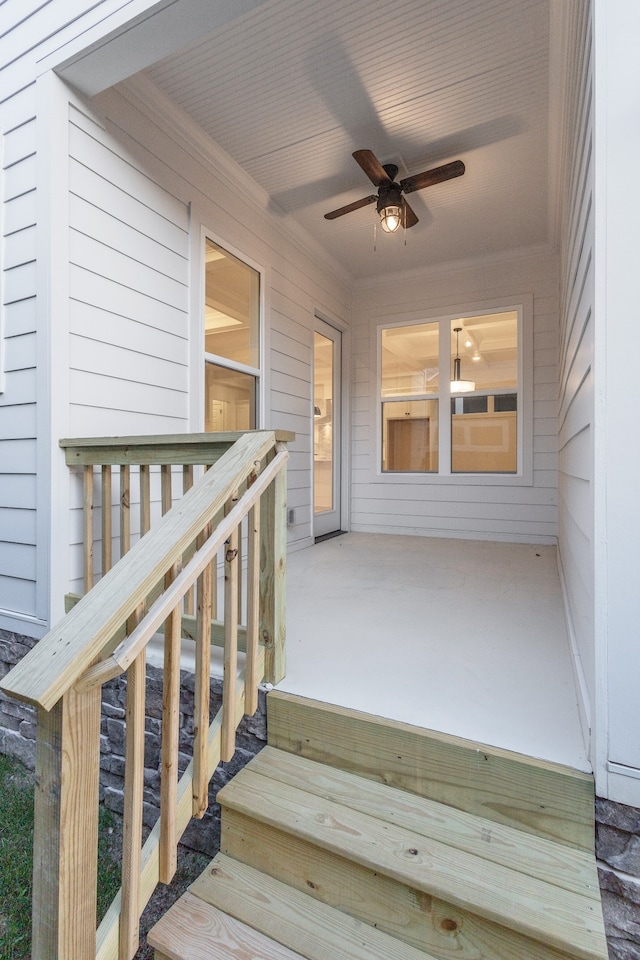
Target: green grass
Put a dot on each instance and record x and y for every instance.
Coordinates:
(16, 838)
(16, 843)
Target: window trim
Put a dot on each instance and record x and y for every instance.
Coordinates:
(199, 357)
(523, 305)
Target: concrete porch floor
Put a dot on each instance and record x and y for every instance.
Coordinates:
(464, 637)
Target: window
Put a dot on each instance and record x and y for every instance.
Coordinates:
(231, 341)
(433, 423)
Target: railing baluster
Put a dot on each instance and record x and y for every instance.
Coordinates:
(253, 611)
(170, 735)
(170, 715)
(145, 498)
(133, 808)
(187, 483)
(202, 688)
(240, 591)
(214, 576)
(125, 509)
(165, 482)
(231, 565)
(87, 527)
(107, 545)
(273, 567)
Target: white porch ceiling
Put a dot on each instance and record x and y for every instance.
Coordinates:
(292, 88)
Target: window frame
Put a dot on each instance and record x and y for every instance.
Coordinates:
(199, 356)
(523, 306)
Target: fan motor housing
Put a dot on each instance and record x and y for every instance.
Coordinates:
(389, 194)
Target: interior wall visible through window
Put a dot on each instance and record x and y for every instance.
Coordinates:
(231, 341)
(451, 395)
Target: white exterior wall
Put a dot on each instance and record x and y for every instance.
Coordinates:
(617, 452)
(30, 32)
(576, 546)
(18, 359)
(128, 292)
(429, 506)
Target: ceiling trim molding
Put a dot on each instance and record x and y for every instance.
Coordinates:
(146, 97)
(537, 252)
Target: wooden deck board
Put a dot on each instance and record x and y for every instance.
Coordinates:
(536, 796)
(317, 931)
(536, 909)
(195, 930)
(537, 857)
(418, 919)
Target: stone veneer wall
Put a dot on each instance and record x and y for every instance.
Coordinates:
(18, 739)
(618, 852)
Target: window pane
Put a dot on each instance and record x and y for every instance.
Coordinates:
(410, 436)
(410, 360)
(232, 307)
(230, 399)
(486, 442)
(488, 350)
(484, 429)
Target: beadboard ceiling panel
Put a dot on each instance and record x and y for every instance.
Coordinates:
(292, 88)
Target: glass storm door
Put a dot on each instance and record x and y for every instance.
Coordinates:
(326, 429)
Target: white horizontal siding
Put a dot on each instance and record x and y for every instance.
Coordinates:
(18, 490)
(18, 597)
(576, 385)
(129, 327)
(18, 416)
(434, 507)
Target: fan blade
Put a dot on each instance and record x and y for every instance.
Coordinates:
(368, 161)
(340, 212)
(436, 175)
(409, 218)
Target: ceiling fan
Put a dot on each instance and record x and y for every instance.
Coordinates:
(391, 205)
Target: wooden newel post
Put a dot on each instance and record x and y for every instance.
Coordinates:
(65, 862)
(273, 569)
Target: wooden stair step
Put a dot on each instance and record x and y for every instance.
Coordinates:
(308, 926)
(194, 930)
(418, 919)
(545, 912)
(562, 866)
(538, 796)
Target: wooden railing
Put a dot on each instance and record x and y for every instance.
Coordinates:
(106, 633)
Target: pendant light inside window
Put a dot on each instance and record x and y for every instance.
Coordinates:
(458, 385)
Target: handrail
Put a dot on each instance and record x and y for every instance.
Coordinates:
(105, 634)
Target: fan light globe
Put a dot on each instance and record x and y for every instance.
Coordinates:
(390, 218)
